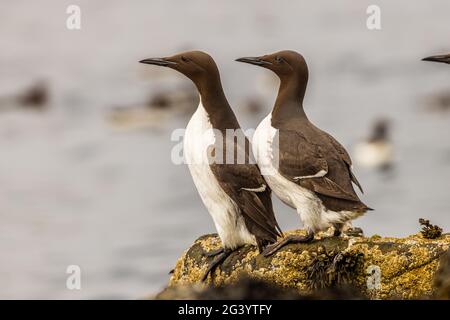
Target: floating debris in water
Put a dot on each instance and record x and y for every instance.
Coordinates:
(430, 231)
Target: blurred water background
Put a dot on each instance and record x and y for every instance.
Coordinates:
(82, 185)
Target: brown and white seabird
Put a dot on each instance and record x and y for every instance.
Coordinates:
(376, 152)
(313, 174)
(235, 194)
(443, 58)
(441, 102)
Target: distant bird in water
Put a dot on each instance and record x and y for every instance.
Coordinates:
(376, 152)
(181, 99)
(314, 174)
(253, 106)
(156, 111)
(35, 97)
(235, 194)
(438, 102)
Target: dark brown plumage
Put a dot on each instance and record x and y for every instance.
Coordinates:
(241, 181)
(306, 150)
(307, 156)
(309, 150)
(237, 179)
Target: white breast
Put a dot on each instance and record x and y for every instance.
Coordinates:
(224, 211)
(266, 157)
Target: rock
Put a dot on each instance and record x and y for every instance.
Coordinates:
(247, 288)
(442, 279)
(380, 268)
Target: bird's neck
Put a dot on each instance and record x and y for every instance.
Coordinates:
(289, 102)
(216, 104)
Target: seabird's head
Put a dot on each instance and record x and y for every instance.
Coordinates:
(196, 65)
(444, 58)
(380, 130)
(286, 64)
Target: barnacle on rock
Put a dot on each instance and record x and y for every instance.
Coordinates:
(406, 266)
(354, 232)
(331, 268)
(430, 231)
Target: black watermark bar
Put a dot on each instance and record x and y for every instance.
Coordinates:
(226, 309)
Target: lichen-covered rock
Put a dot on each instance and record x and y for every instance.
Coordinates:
(382, 268)
(442, 279)
(254, 289)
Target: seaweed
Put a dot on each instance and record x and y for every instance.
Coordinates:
(430, 231)
(332, 269)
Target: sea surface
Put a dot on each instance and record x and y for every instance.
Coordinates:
(76, 189)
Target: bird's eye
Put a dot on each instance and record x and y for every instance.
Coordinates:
(278, 59)
(184, 59)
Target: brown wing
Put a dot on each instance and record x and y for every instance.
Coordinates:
(345, 157)
(317, 165)
(244, 184)
(297, 156)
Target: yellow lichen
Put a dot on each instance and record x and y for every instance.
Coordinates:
(407, 265)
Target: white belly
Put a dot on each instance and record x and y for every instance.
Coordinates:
(224, 211)
(310, 208)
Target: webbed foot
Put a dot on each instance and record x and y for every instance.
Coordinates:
(271, 249)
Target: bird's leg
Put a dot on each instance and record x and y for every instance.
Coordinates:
(337, 229)
(271, 249)
(216, 261)
(214, 253)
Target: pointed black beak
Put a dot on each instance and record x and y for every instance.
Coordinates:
(257, 61)
(443, 58)
(163, 62)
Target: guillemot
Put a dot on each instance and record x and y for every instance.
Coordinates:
(376, 152)
(155, 112)
(440, 102)
(313, 174)
(443, 58)
(36, 97)
(235, 194)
